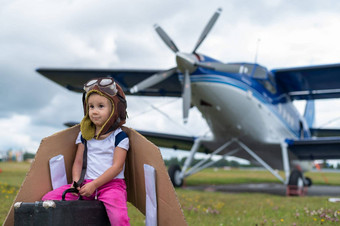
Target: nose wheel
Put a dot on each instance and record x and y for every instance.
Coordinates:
(175, 175)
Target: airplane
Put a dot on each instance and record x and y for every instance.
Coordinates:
(248, 108)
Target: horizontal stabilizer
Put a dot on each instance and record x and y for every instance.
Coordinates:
(313, 149)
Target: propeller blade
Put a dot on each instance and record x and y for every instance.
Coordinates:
(207, 28)
(186, 96)
(153, 80)
(166, 38)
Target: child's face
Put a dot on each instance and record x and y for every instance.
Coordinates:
(99, 109)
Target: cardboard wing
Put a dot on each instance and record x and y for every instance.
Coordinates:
(37, 181)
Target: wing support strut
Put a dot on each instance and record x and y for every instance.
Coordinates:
(205, 162)
(263, 163)
(198, 167)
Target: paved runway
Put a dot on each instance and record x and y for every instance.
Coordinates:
(269, 188)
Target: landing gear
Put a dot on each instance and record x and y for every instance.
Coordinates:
(175, 175)
(297, 184)
(308, 181)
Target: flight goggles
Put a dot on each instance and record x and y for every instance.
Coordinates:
(106, 85)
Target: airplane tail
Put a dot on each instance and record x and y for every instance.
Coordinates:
(310, 113)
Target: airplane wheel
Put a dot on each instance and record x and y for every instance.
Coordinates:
(296, 183)
(175, 175)
(308, 181)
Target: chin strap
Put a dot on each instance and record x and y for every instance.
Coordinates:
(114, 126)
(82, 175)
(83, 169)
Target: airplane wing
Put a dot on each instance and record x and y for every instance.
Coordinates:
(74, 79)
(312, 149)
(312, 82)
(165, 140)
(169, 140)
(304, 149)
(317, 132)
(176, 142)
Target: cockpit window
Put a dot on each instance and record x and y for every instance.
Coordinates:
(260, 73)
(235, 68)
(266, 78)
(246, 69)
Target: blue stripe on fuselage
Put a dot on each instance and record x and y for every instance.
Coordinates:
(271, 101)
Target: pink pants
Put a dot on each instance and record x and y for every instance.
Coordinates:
(112, 194)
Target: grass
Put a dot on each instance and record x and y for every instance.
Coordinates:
(214, 208)
(236, 176)
(11, 177)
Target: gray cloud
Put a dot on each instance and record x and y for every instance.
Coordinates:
(118, 34)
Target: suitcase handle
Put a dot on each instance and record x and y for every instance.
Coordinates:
(71, 190)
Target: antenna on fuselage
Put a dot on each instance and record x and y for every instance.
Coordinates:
(257, 49)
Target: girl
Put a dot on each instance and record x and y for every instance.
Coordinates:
(107, 145)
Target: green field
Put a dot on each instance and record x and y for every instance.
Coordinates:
(214, 208)
(236, 176)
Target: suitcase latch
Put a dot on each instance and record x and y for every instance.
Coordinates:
(49, 204)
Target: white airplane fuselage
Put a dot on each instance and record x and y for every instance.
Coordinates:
(233, 108)
(236, 113)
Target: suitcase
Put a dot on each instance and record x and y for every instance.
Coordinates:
(54, 213)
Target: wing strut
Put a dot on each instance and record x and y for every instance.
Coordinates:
(178, 174)
(204, 163)
(263, 163)
(198, 167)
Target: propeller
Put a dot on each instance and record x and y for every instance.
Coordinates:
(186, 95)
(187, 63)
(166, 38)
(207, 28)
(153, 80)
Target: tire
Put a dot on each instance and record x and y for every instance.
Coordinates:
(308, 181)
(296, 183)
(174, 174)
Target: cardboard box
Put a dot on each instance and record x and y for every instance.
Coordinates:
(37, 181)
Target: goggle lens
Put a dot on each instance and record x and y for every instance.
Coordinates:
(105, 82)
(91, 82)
(106, 85)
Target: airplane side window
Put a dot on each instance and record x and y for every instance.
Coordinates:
(260, 73)
(271, 78)
(269, 86)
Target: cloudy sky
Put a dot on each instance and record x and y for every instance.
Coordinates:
(119, 34)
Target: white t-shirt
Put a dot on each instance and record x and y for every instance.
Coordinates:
(100, 154)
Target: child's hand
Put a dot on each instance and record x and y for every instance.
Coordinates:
(73, 193)
(87, 189)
